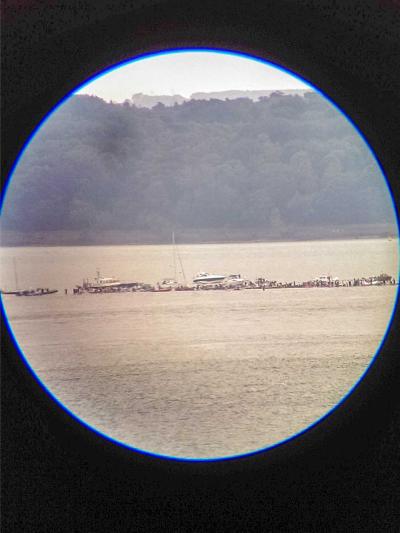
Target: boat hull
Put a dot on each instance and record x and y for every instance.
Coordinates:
(209, 279)
(40, 292)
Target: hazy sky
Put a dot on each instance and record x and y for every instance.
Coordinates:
(187, 72)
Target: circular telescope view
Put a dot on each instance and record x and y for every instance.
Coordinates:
(199, 254)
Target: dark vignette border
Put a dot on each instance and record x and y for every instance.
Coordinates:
(343, 472)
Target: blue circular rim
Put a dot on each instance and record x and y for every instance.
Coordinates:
(325, 96)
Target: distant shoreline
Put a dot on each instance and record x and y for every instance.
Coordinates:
(201, 242)
(222, 235)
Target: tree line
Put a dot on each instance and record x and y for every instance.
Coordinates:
(280, 162)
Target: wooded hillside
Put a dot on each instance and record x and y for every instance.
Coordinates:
(286, 161)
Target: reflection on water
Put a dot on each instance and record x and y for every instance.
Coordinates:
(202, 374)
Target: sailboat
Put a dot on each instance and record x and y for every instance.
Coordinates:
(27, 292)
(16, 281)
(169, 284)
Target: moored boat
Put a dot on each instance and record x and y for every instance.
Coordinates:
(167, 284)
(9, 292)
(36, 292)
(204, 277)
(108, 284)
(234, 281)
(172, 284)
(101, 282)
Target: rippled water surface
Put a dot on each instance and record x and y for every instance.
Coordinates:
(206, 373)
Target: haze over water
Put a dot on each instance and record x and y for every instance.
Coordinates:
(201, 374)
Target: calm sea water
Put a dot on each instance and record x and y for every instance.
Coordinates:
(208, 373)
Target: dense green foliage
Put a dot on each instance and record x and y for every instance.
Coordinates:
(280, 162)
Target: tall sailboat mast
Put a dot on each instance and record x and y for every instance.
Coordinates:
(174, 256)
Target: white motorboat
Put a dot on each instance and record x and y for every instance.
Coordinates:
(234, 281)
(204, 277)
